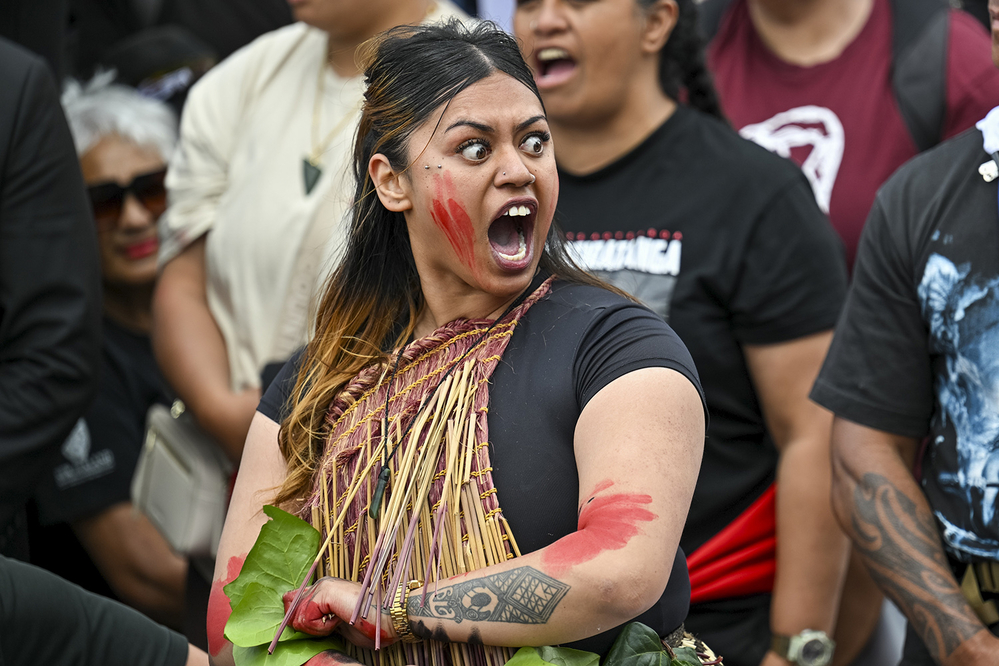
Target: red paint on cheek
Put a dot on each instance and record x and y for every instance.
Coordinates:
(368, 629)
(219, 609)
(452, 219)
(605, 523)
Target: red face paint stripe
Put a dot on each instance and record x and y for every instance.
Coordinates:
(452, 219)
(605, 523)
(219, 609)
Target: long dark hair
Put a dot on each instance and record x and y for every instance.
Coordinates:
(682, 65)
(372, 301)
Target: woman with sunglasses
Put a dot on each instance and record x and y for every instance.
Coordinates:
(123, 141)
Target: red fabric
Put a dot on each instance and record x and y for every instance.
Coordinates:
(841, 119)
(739, 560)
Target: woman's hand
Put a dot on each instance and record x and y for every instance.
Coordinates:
(328, 606)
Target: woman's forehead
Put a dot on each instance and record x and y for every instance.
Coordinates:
(498, 101)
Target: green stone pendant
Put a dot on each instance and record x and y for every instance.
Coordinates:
(311, 173)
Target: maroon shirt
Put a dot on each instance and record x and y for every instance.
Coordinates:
(839, 120)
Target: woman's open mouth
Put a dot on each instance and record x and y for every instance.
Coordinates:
(555, 66)
(511, 236)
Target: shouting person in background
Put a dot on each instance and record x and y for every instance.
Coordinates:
(724, 241)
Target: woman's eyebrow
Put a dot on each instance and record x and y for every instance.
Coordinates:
(461, 122)
(469, 123)
(530, 121)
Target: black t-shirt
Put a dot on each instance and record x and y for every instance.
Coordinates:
(568, 346)
(99, 457)
(916, 352)
(46, 620)
(725, 241)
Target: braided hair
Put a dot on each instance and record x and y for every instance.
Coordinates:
(682, 66)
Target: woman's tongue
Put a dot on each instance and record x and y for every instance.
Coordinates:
(504, 236)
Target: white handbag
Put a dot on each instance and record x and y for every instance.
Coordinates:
(181, 481)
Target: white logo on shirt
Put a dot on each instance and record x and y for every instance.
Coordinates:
(82, 466)
(645, 267)
(814, 126)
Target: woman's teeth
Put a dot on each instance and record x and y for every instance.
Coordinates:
(552, 53)
(518, 211)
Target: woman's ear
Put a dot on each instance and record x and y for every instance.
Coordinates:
(660, 20)
(392, 187)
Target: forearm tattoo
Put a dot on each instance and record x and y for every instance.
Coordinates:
(902, 549)
(520, 596)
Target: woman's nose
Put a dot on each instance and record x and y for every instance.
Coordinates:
(134, 216)
(549, 18)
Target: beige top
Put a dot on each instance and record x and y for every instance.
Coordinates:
(238, 172)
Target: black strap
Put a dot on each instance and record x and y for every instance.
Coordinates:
(920, 31)
(709, 16)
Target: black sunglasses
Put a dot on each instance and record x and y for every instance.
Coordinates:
(107, 199)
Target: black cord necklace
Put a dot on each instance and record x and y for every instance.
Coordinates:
(383, 476)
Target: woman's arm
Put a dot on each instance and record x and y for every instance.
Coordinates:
(812, 552)
(192, 353)
(638, 445)
(136, 561)
(261, 472)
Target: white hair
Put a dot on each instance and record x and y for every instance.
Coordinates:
(100, 108)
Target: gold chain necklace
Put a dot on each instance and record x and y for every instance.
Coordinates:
(311, 165)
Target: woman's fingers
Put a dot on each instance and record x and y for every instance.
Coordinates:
(314, 614)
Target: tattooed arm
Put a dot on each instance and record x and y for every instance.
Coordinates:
(638, 447)
(883, 510)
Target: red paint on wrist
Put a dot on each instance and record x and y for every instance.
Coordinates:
(368, 629)
(219, 609)
(605, 523)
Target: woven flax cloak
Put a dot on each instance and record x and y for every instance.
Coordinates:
(441, 515)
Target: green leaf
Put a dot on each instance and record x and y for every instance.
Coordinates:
(639, 645)
(526, 656)
(560, 656)
(256, 618)
(278, 562)
(287, 653)
(685, 656)
(553, 656)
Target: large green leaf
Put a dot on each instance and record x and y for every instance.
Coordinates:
(553, 656)
(256, 618)
(287, 653)
(639, 645)
(278, 562)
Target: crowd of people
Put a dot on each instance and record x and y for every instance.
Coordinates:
(672, 311)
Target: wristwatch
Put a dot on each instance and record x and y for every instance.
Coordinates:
(809, 648)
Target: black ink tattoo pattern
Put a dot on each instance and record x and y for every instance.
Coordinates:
(521, 596)
(902, 549)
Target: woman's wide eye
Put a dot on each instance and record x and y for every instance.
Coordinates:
(475, 152)
(534, 145)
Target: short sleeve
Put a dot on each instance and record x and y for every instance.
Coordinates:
(274, 403)
(972, 78)
(793, 279)
(878, 371)
(624, 339)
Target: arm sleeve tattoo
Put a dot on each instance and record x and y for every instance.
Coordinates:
(521, 596)
(901, 546)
